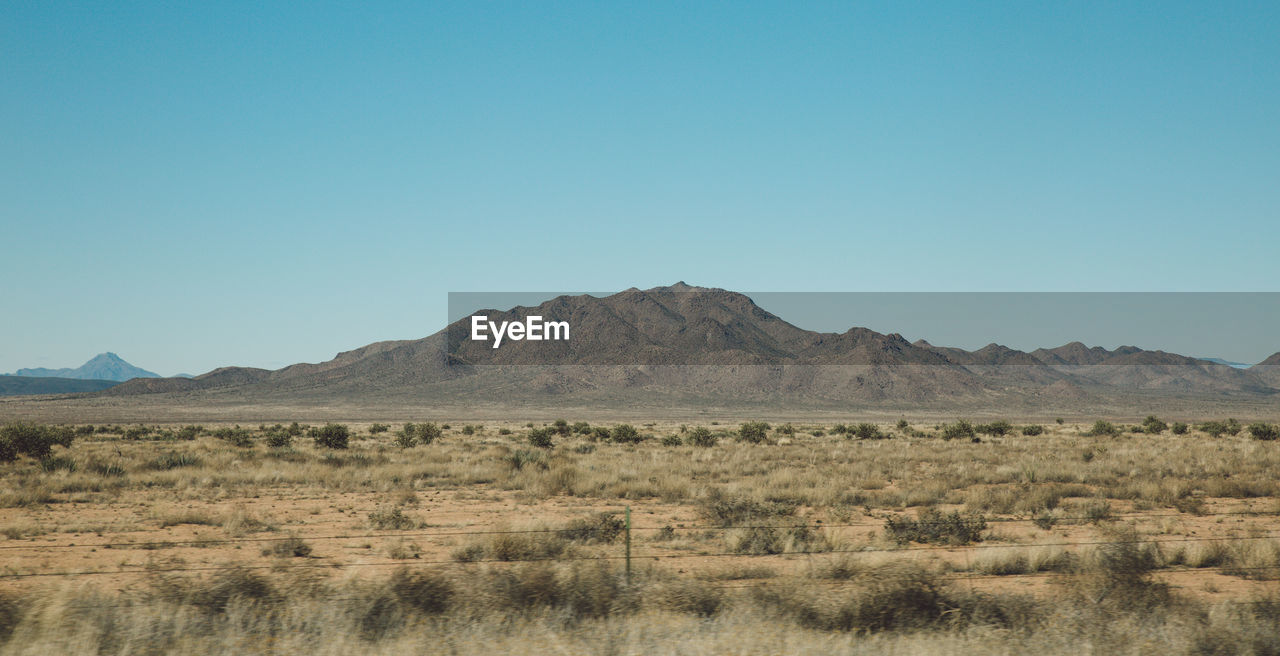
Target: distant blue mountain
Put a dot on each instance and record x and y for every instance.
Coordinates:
(105, 366)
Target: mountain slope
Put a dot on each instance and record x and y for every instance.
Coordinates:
(104, 366)
(24, 385)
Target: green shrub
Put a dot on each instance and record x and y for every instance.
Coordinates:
(137, 432)
(701, 436)
(625, 434)
(236, 436)
(672, 440)
(866, 432)
(1103, 428)
(754, 432)
(171, 460)
(406, 439)
(331, 436)
(1153, 425)
(378, 428)
(959, 430)
(1179, 428)
(582, 428)
(35, 440)
(1033, 429)
(787, 429)
(541, 437)
(521, 458)
(428, 432)
(996, 428)
(561, 427)
(600, 433)
(189, 432)
(56, 463)
(278, 439)
(1261, 431)
(504, 431)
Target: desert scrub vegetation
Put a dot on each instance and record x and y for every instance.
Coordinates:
(331, 436)
(1108, 603)
(34, 440)
(934, 527)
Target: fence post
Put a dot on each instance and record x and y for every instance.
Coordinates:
(628, 545)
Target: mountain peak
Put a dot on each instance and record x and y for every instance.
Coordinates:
(103, 366)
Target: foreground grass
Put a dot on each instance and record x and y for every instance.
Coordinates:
(564, 608)
(914, 518)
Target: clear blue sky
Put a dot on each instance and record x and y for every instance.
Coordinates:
(200, 184)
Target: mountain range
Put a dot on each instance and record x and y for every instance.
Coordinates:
(703, 347)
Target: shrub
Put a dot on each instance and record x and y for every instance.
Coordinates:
(754, 432)
(522, 457)
(1261, 431)
(55, 463)
(839, 429)
(672, 440)
(786, 429)
(626, 434)
(1101, 428)
(959, 430)
(561, 427)
(406, 439)
(236, 436)
(999, 427)
(504, 431)
(541, 437)
(701, 436)
(279, 439)
(470, 429)
(600, 433)
(331, 436)
(390, 518)
(35, 440)
(866, 432)
(428, 432)
(137, 432)
(582, 428)
(190, 432)
(740, 510)
(602, 528)
(171, 460)
(1179, 428)
(934, 527)
(1153, 425)
(1033, 429)
(291, 547)
(378, 428)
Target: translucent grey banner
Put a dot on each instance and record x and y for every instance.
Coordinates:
(684, 325)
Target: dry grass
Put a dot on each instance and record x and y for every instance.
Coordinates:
(808, 515)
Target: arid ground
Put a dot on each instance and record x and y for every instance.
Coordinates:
(878, 537)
